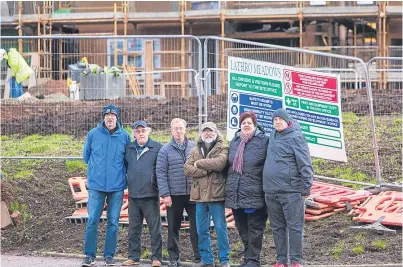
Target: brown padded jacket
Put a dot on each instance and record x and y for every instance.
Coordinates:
(208, 183)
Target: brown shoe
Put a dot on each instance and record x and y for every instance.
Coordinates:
(130, 262)
(156, 263)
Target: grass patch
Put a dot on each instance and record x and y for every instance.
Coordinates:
(76, 166)
(359, 250)
(379, 244)
(349, 118)
(31, 138)
(336, 252)
(37, 145)
(165, 253)
(24, 175)
(4, 138)
(360, 237)
(146, 253)
(22, 208)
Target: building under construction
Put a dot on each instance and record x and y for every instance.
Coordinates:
(363, 29)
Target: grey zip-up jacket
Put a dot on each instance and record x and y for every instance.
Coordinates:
(170, 170)
(288, 165)
(141, 177)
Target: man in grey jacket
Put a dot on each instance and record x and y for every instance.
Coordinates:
(287, 177)
(140, 159)
(174, 188)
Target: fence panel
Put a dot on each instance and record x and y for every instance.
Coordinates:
(387, 84)
(357, 110)
(156, 79)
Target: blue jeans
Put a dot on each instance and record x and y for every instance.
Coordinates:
(204, 211)
(96, 202)
(286, 215)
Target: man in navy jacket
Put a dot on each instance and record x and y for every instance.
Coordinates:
(104, 151)
(144, 202)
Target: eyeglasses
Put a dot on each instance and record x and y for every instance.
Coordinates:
(110, 110)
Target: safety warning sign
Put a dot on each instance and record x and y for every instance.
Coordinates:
(311, 98)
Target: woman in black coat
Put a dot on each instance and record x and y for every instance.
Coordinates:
(244, 191)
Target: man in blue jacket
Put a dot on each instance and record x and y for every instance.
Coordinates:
(104, 151)
(144, 202)
(174, 188)
(287, 177)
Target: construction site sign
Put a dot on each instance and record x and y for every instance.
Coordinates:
(311, 98)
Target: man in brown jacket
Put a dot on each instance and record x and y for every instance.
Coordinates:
(205, 165)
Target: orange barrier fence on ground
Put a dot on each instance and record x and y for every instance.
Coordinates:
(78, 187)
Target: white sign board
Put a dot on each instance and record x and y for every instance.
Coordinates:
(311, 98)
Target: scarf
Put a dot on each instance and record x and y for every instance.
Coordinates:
(238, 160)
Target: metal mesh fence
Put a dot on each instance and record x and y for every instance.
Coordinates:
(355, 104)
(386, 77)
(153, 78)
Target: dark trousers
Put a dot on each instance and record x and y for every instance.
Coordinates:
(286, 215)
(251, 229)
(148, 208)
(175, 217)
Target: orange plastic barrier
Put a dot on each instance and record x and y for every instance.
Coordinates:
(80, 184)
(387, 204)
(327, 199)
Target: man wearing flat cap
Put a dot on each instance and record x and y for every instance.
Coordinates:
(205, 165)
(287, 178)
(104, 150)
(140, 160)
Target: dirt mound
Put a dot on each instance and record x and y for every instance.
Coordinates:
(78, 117)
(49, 116)
(7, 193)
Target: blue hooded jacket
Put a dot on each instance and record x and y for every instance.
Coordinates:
(104, 154)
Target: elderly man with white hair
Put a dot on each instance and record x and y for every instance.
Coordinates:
(205, 165)
(174, 188)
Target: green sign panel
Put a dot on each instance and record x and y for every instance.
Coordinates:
(291, 102)
(256, 84)
(320, 130)
(319, 107)
(322, 141)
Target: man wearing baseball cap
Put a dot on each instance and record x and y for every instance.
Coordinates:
(104, 150)
(205, 165)
(287, 178)
(144, 202)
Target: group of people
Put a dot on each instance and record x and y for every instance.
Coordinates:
(257, 176)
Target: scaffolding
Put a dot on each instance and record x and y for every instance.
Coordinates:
(228, 11)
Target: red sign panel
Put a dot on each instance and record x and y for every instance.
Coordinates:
(312, 86)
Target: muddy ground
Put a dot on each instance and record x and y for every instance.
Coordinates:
(49, 201)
